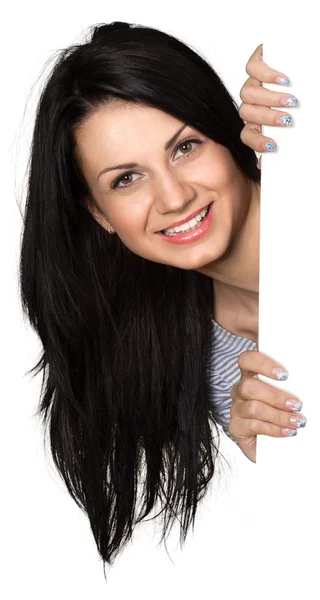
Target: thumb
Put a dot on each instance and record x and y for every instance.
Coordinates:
(249, 447)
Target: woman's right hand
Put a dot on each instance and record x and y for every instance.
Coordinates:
(258, 407)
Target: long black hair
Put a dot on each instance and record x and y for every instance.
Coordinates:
(126, 341)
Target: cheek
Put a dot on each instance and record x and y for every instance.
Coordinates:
(129, 218)
(215, 174)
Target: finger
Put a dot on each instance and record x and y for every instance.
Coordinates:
(255, 409)
(263, 115)
(247, 428)
(252, 389)
(252, 362)
(251, 82)
(257, 54)
(259, 70)
(251, 136)
(257, 94)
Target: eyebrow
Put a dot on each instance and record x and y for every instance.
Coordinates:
(133, 165)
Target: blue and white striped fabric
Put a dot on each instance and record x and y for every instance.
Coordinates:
(224, 371)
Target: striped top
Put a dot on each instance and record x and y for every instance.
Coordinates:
(224, 371)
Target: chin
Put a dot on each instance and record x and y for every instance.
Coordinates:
(193, 264)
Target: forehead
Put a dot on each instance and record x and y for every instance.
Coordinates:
(119, 129)
(119, 120)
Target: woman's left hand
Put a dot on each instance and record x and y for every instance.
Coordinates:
(257, 101)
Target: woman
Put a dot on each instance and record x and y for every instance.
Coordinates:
(122, 294)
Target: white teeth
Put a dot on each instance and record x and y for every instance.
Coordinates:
(189, 225)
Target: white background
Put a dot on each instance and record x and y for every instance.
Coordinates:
(255, 534)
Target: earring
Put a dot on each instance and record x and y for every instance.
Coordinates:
(109, 230)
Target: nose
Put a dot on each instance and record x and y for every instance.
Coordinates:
(172, 194)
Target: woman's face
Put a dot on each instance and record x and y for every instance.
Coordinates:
(167, 184)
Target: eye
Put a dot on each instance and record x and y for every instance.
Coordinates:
(116, 182)
(184, 143)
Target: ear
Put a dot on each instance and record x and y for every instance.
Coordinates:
(97, 214)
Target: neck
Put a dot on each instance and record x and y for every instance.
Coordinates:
(236, 274)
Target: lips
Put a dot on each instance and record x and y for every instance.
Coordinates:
(192, 235)
(188, 218)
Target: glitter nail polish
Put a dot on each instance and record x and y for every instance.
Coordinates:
(269, 147)
(289, 432)
(280, 373)
(290, 102)
(294, 405)
(299, 421)
(282, 80)
(284, 120)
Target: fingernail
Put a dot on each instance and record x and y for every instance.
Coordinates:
(299, 421)
(269, 147)
(292, 102)
(285, 120)
(280, 373)
(291, 432)
(293, 405)
(283, 80)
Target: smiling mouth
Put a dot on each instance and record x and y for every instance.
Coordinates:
(188, 226)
